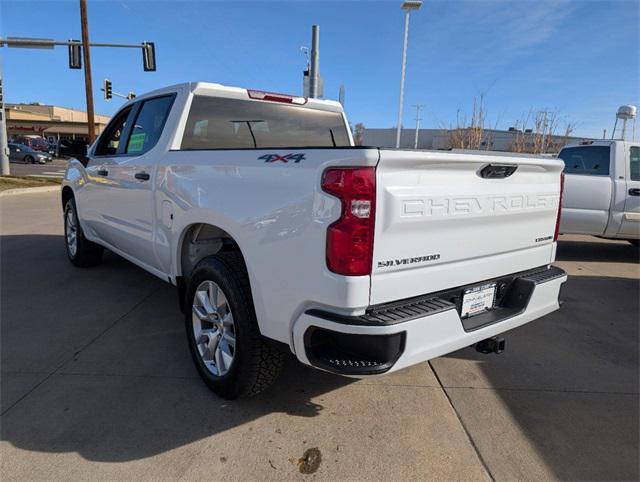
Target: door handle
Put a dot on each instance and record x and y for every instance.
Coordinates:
(103, 172)
(142, 176)
(634, 191)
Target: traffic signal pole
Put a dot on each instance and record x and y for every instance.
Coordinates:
(88, 86)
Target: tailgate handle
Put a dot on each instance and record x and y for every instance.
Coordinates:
(497, 171)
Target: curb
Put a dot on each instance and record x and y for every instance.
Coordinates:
(29, 190)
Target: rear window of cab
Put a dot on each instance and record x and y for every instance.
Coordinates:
(221, 123)
(588, 160)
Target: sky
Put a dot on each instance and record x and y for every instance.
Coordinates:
(579, 58)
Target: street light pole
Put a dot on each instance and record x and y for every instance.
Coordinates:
(4, 146)
(418, 119)
(87, 71)
(407, 6)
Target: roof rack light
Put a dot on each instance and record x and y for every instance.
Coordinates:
(274, 97)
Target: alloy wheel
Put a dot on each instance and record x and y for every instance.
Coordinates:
(213, 328)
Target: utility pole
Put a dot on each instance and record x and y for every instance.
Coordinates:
(87, 71)
(4, 146)
(418, 119)
(314, 67)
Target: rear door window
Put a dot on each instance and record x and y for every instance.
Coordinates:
(219, 123)
(149, 124)
(588, 160)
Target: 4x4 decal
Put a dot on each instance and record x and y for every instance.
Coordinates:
(286, 158)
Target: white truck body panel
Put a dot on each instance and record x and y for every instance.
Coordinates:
(278, 214)
(434, 204)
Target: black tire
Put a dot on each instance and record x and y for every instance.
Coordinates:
(29, 159)
(86, 253)
(256, 364)
(634, 242)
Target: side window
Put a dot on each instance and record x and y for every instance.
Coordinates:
(634, 163)
(588, 160)
(149, 124)
(110, 138)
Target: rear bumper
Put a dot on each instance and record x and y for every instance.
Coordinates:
(396, 335)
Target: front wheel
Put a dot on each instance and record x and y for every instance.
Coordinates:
(29, 160)
(231, 356)
(80, 250)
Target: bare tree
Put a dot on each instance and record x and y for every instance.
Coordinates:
(541, 137)
(469, 133)
(358, 134)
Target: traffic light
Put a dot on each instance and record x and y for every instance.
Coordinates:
(75, 55)
(149, 56)
(108, 89)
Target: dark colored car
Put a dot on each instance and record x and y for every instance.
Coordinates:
(22, 153)
(35, 143)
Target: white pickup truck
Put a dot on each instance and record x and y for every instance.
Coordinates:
(280, 234)
(602, 189)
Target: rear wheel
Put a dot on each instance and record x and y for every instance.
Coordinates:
(81, 251)
(29, 159)
(231, 356)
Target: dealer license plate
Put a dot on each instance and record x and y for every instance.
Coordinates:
(477, 300)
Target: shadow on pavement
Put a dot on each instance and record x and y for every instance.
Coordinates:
(570, 384)
(107, 351)
(605, 251)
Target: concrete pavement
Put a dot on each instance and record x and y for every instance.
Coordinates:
(97, 383)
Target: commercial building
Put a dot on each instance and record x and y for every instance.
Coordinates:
(49, 121)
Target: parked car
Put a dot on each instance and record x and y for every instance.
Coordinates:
(602, 189)
(34, 142)
(280, 234)
(22, 153)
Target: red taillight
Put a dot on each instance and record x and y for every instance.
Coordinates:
(350, 238)
(555, 235)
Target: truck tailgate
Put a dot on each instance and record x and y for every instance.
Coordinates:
(441, 224)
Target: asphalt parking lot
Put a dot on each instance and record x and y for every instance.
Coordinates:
(54, 169)
(97, 383)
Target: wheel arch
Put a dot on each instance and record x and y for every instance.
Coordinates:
(196, 242)
(67, 193)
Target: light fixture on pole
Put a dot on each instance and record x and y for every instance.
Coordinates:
(407, 6)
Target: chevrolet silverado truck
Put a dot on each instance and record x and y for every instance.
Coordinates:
(283, 236)
(602, 189)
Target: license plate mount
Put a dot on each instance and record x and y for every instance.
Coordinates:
(477, 300)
